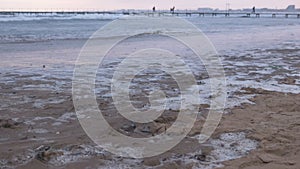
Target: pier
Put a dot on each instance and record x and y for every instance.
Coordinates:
(160, 13)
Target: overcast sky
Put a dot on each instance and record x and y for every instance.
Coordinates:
(142, 4)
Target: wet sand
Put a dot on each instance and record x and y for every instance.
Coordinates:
(55, 139)
(274, 122)
(259, 128)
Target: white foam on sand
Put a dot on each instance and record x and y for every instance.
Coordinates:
(269, 85)
(64, 118)
(228, 146)
(236, 85)
(74, 153)
(119, 163)
(260, 71)
(40, 103)
(38, 131)
(232, 146)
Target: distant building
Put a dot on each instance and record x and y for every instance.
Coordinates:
(205, 9)
(291, 8)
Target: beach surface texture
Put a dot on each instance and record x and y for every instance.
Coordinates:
(259, 128)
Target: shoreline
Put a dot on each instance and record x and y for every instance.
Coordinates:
(259, 128)
(37, 106)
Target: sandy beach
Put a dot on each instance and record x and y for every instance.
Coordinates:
(259, 128)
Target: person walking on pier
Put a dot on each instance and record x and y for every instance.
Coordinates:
(172, 10)
(253, 9)
(153, 9)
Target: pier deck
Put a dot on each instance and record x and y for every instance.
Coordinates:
(159, 13)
